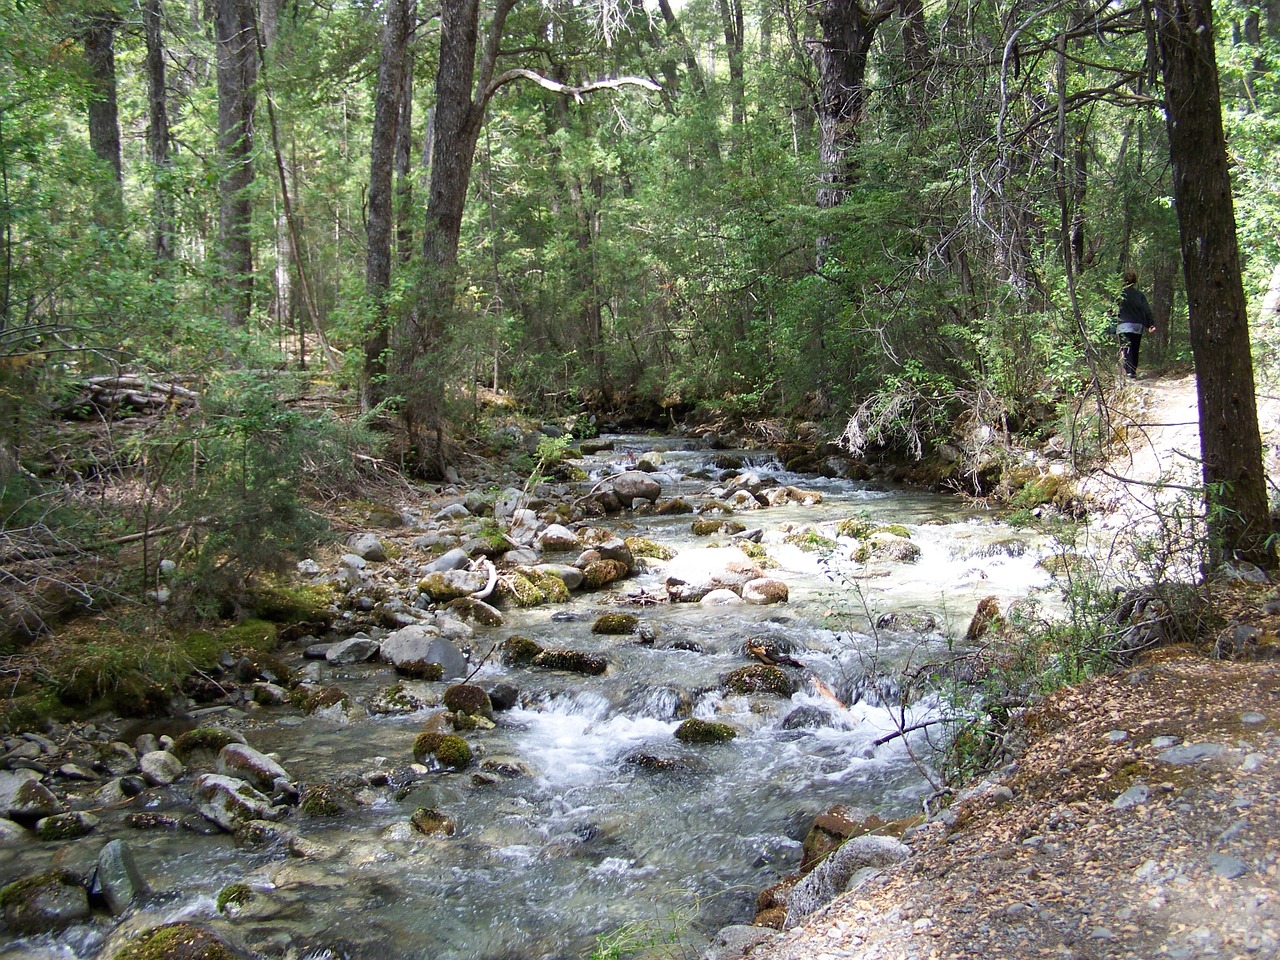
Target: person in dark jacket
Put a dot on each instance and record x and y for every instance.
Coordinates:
(1134, 318)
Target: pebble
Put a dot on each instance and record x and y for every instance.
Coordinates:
(1192, 753)
(1251, 718)
(1163, 743)
(1117, 736)
(1227, 866)
(1252, 762)
(1135, 796)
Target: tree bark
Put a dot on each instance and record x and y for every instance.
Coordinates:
(1230, 445)
(732, 22)
(235, 36)
(382, 158)
(104, 113)
(159, 139)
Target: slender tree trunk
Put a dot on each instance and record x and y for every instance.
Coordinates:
(382, 156)
(104, 114)
(1230, 445)
(732, 21)
(404, 167)
(235, 35)
(159, 141)
(840, 56)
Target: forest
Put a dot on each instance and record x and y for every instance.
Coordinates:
(903, 222)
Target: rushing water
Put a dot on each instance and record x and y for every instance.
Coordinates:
(588, 839)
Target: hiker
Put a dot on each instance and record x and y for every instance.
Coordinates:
(1134, 318)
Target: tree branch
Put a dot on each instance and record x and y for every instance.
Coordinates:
(563, 88)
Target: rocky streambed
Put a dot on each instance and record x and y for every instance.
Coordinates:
(535, 716)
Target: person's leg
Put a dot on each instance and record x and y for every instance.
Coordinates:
(1129, 353)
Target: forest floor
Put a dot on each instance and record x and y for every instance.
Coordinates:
(1140, 821)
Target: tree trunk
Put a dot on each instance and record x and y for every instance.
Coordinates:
(235, 35)
(732, 21)
(159, 140)
(382, 156)
(841, 60)
(1230, 445)
(404, 167)
(104, 114)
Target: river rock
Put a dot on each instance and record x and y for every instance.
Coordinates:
(11, 832)
(445, 585)
(357, 649)
(570, 575)
(395, 700)
(368, 547)
(833, 828)
(523, 525)
(24, 798)
(600, 573)
(161, 768)
(45, 902)
(432, 823)
(469, 608)
(736, 941)
(178, 940)
(724, 597)
(840, 871)
(117, 758)
(455, 559)
(243, 761)
(230, 802)
(66, 826)
(634, 485)
(424, 643)
(557, 538)
(571, 661)
(118, 880)
(469, 699)
(693, 574)
(765, 590)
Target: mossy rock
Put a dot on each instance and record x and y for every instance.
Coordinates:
(44, 902)
(309, 701)
(715, 507)
(676, 506)
(294, 603)
(758, 553)
(552, 587)
(178, 941)
(601, 573)
(894, 530)
(519, 651)
(704, 731)
(811, 541)
(448, 750)
(518, 590)
(760, 678)
(468, 698)
(433, 823)
(326, 800)
(420, 670)
(855, 528)
(66, 826)
(572, 661)
(202, 745)
(644, 547)
(234, 895)
(616, 624)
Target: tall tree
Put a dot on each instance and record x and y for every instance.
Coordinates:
(235, 35)
(387, 111)
(159, 139)
(104, 111)
(1230, 444)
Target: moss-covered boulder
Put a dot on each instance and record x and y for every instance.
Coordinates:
(694, 730)
(517, 590)
(601, 573)
(553, 588)
(179, 941)
(832, 828)
(675, 507)
(469, 608)
(855, 528)
(314, 701)
(811, 540)
(469, 699)
(650, 549)
(446, 750)
(615, 624)
(759, 678)
(44, 902)
(572, 661)
(433, 823)
(66, 826)
(420, 670)
(233, 896)
(326, 800)
(519, 651)
(882, 545)
(200, 747)
(708, 526)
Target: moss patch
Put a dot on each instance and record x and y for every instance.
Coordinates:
(704, 731)
(616, 624)
(177, 941)
(234, 895)
(519, 651)
(759, 679)
(449, 750)
(644, 547)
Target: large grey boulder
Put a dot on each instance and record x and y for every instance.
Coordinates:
(455, 559)
(424, 643)
(230, 802)
(160, 767)
(841, 871)
(352, 650)
(368, 547)
(23, 797)
(241, 760)
(635, 485)
(118, 880)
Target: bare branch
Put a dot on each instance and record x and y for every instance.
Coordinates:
(577, 93)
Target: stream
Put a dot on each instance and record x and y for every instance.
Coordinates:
(586, 838)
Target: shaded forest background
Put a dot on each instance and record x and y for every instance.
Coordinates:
(908, 216)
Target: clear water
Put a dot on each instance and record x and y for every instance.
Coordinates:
(589, 841)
